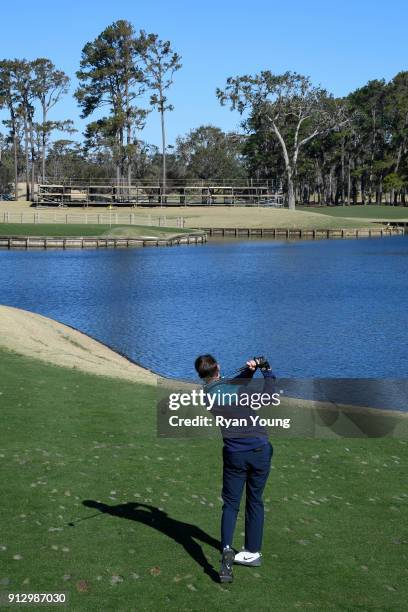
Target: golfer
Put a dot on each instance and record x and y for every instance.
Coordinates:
(247, 455)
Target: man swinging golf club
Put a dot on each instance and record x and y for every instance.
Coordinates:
(247, 455)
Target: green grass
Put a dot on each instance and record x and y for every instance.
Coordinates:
(51, 229)
(336, 529)
(364, 212)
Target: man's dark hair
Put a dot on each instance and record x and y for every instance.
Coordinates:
(206, 366)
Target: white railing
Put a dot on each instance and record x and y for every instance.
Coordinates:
(105, 218)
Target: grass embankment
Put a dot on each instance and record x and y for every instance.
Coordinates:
(336, 529)
(78, 229)
(210, 216)
(222, 216)
(381, 213)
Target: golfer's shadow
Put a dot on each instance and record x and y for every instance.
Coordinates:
(182, 533)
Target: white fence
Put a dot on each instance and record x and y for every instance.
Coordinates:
(105, 218)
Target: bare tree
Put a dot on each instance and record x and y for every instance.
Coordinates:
(9, 100)
(295, 111)
(161, 62)
(48, 87)
(23, 88)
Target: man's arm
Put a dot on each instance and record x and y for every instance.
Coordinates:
(246, 373)
(269, 381)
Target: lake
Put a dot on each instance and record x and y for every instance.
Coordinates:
(330, 308)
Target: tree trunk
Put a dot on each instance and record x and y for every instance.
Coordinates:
(331, 187)
(164, 175)
(129, 178)
(318, 182)
(362, 191)
(396, 168)
(379, 190)
(355, 192)
(15, 164)
(373, 142)
(291, 190)
(128, 139)
(43, 143)
(27, 173)
(290, 168)
(117, 178)
(129, 156)
(32, 161)
(118, 164)
(343, 197)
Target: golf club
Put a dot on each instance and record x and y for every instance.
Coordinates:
(260, 363)
(85, 518)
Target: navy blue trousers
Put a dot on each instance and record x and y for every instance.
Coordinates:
(250, 469)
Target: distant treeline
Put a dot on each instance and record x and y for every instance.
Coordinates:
(316, 147)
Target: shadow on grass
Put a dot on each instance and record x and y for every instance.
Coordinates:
(184, 534)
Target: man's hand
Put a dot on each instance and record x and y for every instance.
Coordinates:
(251, 364)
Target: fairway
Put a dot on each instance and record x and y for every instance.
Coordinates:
(361, 212)
(74, 445)
(79, 229)
(194, 217)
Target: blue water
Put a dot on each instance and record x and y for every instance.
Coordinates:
(317, 309)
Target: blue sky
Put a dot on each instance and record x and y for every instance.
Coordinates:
(340, 45)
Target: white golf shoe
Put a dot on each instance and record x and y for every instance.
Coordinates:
(248, 558)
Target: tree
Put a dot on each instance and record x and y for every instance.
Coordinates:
(295, 112)
(397, 112)
(368, 102)
(48, 87)
(110, 76)
(6, 164)
(101, 140)
(23, 88)
(209, 153)
(161, 62)
(9, 100)
(21, 83)
(67, 158)
(262, 154)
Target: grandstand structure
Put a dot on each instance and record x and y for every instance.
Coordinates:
(104, 192)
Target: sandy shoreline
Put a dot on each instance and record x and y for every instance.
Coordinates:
(39, 337)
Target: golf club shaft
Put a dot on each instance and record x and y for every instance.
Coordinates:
(73, 523)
